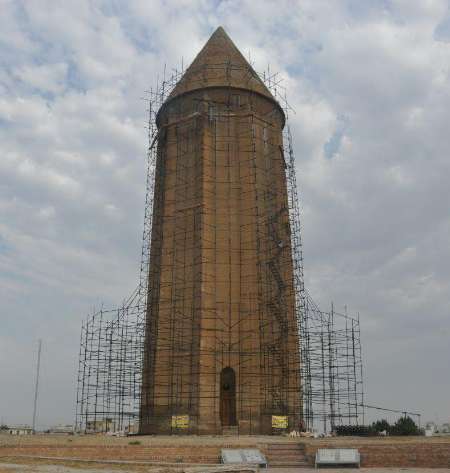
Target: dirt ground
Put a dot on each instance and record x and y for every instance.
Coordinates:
(73, 440)
(52, 468)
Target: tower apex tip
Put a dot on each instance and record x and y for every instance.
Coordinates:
(220, 30)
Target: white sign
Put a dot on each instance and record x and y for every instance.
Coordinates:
(243, 456)
(326, 455)
(231, 456)
(253, 456)
(348, 455)
(337, 456)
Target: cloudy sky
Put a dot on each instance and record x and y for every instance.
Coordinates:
(369, 80)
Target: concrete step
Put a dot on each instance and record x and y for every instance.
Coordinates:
(291, 451)
(287, 444)
(286, 455)
(285, 459)
(286, 449)
(287, 464)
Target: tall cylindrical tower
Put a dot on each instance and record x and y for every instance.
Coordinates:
(222, 349)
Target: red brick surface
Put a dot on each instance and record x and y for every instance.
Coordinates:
(403, 453)
(121, 452)
(418, 454)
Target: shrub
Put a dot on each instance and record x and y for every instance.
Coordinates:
(134, 442)
(405, 426)
(381, 426)
(358, 430)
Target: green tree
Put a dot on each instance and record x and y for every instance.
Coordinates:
(405, 426)
(381, 425)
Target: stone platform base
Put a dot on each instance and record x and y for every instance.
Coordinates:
(279, 451)
(412, 452)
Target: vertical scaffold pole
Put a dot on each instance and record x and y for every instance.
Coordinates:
(36, 387)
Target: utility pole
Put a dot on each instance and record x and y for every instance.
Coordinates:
(37, 383)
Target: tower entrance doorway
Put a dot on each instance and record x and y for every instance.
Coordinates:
(228, 397)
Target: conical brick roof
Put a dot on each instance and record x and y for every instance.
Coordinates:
(220, 63)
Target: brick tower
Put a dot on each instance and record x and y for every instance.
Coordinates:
(222, 349)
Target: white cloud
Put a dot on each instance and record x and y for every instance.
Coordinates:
(47, 78)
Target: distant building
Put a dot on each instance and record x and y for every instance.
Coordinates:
(445, 428)
(66, 429)
(101, 425)
(132, 428)
(20, 430)
(431, 426)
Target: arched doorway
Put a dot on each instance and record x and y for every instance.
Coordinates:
(228, 397)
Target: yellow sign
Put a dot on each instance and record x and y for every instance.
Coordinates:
(180, 422)
(280, 422)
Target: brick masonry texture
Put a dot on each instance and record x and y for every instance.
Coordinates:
(418, 454)
(221, 344)
(400, 453)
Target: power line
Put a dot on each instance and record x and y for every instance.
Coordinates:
(391, 410)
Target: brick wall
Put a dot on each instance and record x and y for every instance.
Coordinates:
(420, 453)
(412, 454)
(186, 454)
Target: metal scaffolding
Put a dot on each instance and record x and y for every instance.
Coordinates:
(112, 341)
